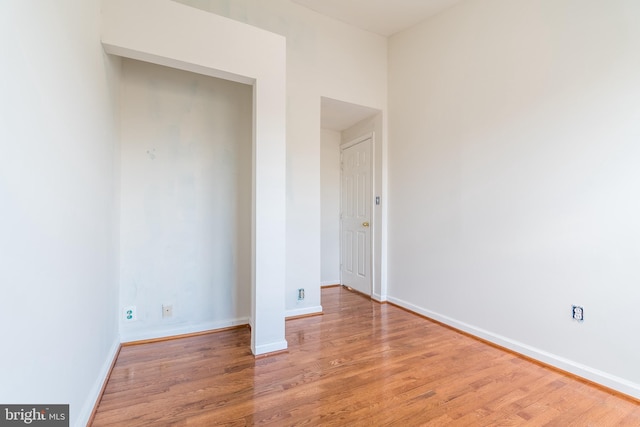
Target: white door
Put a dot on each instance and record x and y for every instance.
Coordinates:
(356, 217)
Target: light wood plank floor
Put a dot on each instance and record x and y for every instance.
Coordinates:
(360, 364)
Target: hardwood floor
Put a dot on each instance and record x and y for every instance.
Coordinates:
(359, 364)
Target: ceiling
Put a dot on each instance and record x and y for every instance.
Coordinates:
(339, 115)
(384, 17)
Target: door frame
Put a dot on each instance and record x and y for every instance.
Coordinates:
(343, 146)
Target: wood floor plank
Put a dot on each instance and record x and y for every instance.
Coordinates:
(360, 363)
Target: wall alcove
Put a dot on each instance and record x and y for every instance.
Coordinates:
(188, 39)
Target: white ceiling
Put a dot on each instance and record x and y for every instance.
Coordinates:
(384, 17)
(339, 115)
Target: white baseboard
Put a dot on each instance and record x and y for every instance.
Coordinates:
(379, 298)
(303, 311)
(269, 348)
(330, 282)
(94, 394)
(181, 330)
(603, 378)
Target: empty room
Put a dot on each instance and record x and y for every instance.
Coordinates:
(320, 212)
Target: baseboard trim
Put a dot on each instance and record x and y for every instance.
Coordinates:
(304, 316)
(88, 411)
(299, 312)
(270, 349)
(273, 353)
(379, 298)
(330, 284)
(172, 332)
(617, 385)
(189, 335)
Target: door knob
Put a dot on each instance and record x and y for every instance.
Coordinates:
(365, 224)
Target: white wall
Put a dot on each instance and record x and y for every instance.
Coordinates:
(514, 178)
(58, 204)
(185, 227)
(328, 58)
(330, 206)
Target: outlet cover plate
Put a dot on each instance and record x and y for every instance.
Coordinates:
(167, 310)
(577, 312)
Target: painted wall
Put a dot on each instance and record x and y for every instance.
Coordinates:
(330, 206)
(58, 204)
(328, 58)
(514, 181)
(185, 227)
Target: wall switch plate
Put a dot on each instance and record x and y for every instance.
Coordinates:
(167, 310)
(577, 313)
(130, 314)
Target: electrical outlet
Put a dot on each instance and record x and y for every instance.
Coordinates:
(301, 294)
(130, 314)
(167, 310)
(577, 313)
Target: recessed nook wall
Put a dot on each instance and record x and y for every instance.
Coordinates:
(185, 200)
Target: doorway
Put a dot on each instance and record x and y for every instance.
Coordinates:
(343, 125)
